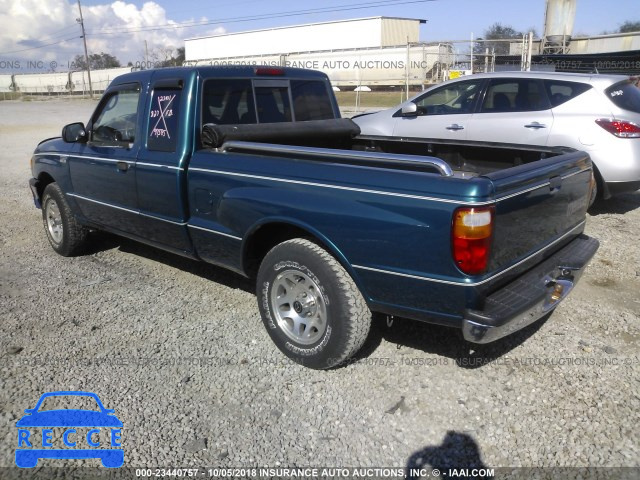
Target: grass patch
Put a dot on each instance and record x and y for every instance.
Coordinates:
(370, 99)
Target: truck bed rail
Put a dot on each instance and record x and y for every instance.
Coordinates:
(388, 160)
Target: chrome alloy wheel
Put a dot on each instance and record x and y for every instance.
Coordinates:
(299, 307)
(54, 220)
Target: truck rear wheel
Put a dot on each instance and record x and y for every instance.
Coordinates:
(310, 305)
(66, 236)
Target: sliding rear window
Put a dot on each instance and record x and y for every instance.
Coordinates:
(625, 95)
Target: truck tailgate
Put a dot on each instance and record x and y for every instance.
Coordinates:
(539, 205)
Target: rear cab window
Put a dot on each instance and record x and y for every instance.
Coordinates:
(311, 100)
(272, 101)
(625, 95)
(248, 101)
(228, 101)
(560, 92)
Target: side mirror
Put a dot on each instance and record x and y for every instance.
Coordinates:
(409, 110)
(74, 132)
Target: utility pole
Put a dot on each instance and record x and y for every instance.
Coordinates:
(470, 47)
(86, 55)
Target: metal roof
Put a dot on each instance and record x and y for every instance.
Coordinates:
(307, 25)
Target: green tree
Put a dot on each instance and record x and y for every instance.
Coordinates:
(629, 26)
(167, 58)
(493, 36)
(97, 61)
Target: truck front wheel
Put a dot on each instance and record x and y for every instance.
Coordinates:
(310, 305)
(66, 236)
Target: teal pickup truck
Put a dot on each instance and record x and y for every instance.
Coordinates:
(252, 169)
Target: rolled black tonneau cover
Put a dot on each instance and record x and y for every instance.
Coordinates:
(214, 135)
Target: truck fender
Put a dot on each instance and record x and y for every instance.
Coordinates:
(268, 232)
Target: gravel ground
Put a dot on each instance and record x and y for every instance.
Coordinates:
(178, 350)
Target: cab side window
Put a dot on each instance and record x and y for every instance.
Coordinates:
(162, 135)
(115, 122)
(456, 98)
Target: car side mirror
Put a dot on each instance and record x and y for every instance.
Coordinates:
(409, 110)
(74, 132)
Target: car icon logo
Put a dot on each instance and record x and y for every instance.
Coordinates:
(69, 433)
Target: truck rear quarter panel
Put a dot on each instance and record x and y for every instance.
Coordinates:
(394, 238)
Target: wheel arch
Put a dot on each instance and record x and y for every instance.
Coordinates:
(44, 179)
(265, 235)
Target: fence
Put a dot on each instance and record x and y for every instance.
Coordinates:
(64, 83)
(515, 55)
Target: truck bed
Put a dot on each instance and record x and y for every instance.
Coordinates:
(540, 196)
(314, 138)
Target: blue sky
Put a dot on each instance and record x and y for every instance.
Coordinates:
(447, 19)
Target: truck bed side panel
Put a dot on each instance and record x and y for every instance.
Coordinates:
(394, 237)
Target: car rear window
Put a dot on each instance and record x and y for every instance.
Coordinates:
(625, 95)
(560, 92)
(66, 402)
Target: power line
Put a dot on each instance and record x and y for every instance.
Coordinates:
(357, 6)
(40, 46)
(62, 29)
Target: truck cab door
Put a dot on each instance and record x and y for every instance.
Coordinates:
(162, 160)
(102, 170)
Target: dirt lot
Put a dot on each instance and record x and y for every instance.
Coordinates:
(179, 351)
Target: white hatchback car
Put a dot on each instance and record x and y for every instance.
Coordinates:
(599, 114)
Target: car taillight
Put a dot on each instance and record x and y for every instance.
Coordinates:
(620, 128)
(471, 238)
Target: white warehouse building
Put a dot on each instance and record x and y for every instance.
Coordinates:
(374, 51)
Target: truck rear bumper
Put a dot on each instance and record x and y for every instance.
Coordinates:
(531, 296)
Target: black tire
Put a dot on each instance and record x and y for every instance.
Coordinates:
(598, 190)
(66, 236)
(337, 314)
(594, 189)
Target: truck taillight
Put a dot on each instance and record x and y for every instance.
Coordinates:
(471, 238)
(272, 71)
(620, 128)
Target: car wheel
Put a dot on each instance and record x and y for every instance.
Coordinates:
(26, 459)
(66, 236)
(310, 305)
(113, 459)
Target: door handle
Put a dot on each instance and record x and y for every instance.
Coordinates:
(535, 125)
(454, 126)
(122, 166)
